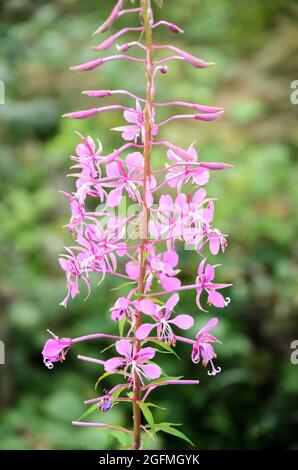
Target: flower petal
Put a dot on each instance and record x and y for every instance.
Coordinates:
(172, 302)
(113, 364)
(211, 324)
(123, 347)
(145, 354)
(147, 307)
(216, 299)
(183, 321)
(114, 197)
(133, 270)
(170, 283)
(144, 330)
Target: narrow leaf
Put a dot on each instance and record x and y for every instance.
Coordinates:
(167, 428)
(148, 415)
(119, 391)
(168, 349)
(122, 323)
(123, 438)
(88, 412)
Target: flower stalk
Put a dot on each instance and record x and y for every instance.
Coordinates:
(147, 16)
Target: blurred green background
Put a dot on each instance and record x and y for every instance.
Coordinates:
(252, 404)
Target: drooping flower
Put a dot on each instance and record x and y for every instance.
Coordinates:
(55, 350)
(70, 263)
(133, 361)
(203, 349)
(163, 320)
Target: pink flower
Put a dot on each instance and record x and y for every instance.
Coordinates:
(136, 361)
(217, 241)
(161, 315)
(125, 178)
(183, 174)
(55, 350)
(203, 348)
(123, 307)
(71, 265)
(205, 278)
(88, 161)
(163, 266)
(137, 128)
(137, 119)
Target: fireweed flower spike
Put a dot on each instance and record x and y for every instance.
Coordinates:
(140, 247)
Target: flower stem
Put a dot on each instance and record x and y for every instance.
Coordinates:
(147, 19)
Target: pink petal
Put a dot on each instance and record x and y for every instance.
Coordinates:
(211, 324)
(147, 307)
(113, 364)
(170, 283)
(145, 354)
(199, 196)
(192, 152)
(152, 371)
(201, 267)
(52, 348)
(201, 176)
(123, 347)
(112, 170)
(214, 246)
(131, 116)
(166, 201)
(130, 134)
(216, 299)
(135, 160)
(172, 302)
(133, 270)
(183, 321)
(144, 330)
(209, 272)
(171, 258)
(207, 352)
(114, 197)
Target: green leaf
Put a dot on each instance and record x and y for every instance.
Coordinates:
(124, 284)
(168, 349)
(167, 428)
(165, 379)
(148, 415)
(106, 349)
(155, 406)
(88, 412)
(119, 391)
(103, 376)
(122, 323)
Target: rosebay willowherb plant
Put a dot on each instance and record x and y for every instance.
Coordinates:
(146, 239)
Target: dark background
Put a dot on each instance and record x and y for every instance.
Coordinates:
(252, 404)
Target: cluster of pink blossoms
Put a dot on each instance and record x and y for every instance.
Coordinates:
(141, 248)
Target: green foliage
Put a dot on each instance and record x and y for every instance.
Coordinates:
(148, 416)
(169, 428)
